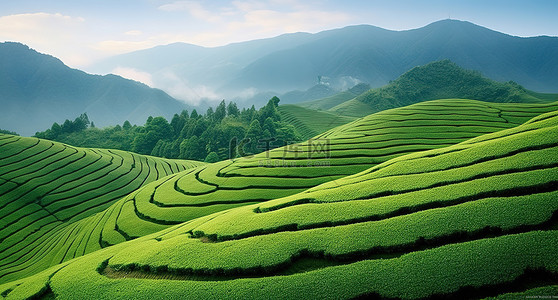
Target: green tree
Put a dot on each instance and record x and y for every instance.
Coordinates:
(194, 114)
(157, 150)
(161, 127)
(156, 129)
(81, 123)
(186, 136)
(177, 122)
(220, 112)
(4, 131)
(232, 109)
(287, 135)
(253, 134)
(192, 149)
(269, 125)
(249, 114)
(210, 113)
(56, 129)
(270, 110)
(67, 126)
(212, 157)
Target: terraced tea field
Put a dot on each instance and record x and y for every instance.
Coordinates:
(353, 108)
(281, 172)
(45, 187)
(310, 123)
(285, 171)
(474, 219)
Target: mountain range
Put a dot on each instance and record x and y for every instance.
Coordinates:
(436, 80)
(38, 89)
(341, 58)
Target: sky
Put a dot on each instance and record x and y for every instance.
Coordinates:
(81, 32)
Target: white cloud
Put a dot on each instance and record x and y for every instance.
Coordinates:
(172, 84)
(133, 32)
(194, 8)
(132, 43)
(80, 42)
(114, 47)
(134, 74)
(276, 22)
(248, 93)
(247, 6)
(183, 90)
(248, 19)
(55, 34)
(178, 6)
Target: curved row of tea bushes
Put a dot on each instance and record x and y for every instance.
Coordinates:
(46, 187)
(473, 220)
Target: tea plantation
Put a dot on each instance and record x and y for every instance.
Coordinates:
(438, 199)
(473, 220)
(281, 172)
(309, 122)
(45, 187)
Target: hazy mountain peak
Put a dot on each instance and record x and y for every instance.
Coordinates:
(359, 53)
(38, 89)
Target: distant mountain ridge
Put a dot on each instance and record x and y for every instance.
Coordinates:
(437, 80)
(350, 55)
(37, 90)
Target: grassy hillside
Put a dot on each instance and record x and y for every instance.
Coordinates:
(353, 108)
(308, 122)
(334, 100)
(437, 80)
(45, 187)
(544, 96)
(315, 92)
(475, 219)
(282, 172)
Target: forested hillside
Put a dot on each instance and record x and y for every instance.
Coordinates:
(220, 133)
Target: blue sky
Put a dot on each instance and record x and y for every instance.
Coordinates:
(82, 32)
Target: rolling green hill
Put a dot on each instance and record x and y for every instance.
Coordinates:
(331, 101)
(308, 122)
(437, 80)
(281, 172)
(353, 108)
(315, 92)
(475, 219)
(45, 187)
(342, 151)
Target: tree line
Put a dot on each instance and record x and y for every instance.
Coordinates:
(221, 133)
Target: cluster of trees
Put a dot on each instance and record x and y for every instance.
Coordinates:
(79, 124)
(440, 80)
(220, 133)
(8, 132)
